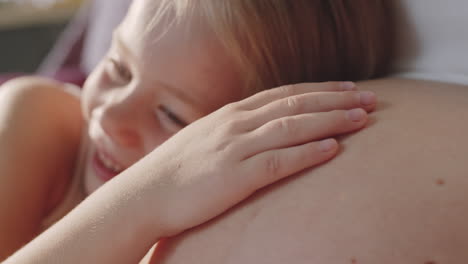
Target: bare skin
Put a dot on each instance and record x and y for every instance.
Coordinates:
(153, 193)
(38, 146)
(405, 204)
(396, 194)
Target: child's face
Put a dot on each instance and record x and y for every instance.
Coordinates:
(149, 87)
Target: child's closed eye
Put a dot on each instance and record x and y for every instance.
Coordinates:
(118, 72)
(169, 120)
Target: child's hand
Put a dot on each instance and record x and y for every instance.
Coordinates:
(224, 157)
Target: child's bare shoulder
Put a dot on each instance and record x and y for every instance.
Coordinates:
(31, 97)
(33, 87)
(40, 126)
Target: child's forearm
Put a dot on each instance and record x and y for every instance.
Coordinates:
(105, 228)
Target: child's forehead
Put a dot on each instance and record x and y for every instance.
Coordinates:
(186, 55)
(164, 39)
(148, 22)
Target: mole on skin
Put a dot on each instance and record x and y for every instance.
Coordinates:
(439, 182)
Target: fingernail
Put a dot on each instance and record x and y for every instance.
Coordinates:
(327, 145)
(348, 86)
(367, 98)
(356, 115)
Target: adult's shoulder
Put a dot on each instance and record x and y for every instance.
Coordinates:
(395, 194)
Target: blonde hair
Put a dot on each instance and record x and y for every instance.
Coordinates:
(277, 42)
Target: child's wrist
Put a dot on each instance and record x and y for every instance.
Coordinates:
(138, 198)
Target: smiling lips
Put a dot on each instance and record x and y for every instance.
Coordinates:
(105, 166)
(109, 163)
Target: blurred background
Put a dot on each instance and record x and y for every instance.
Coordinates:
(62, 39)
(28, 30)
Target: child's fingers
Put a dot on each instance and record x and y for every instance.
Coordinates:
(265, 97)
(311, 103)
(294, 130)
(274, 165)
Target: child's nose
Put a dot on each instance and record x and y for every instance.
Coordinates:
(121, 123)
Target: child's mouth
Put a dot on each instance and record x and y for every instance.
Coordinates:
(105, 167)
